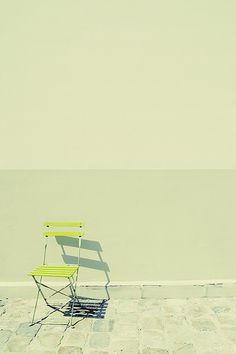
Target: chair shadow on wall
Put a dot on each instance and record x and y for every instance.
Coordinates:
(87, 306)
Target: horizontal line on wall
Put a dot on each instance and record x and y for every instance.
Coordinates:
(129, 283)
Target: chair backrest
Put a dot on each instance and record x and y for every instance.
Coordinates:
(56, 225)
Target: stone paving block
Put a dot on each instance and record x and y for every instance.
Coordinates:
(4, 336)
(151, 323)
(26, 330)
(103, 325)
(173, 308)
(99, 340)
(128, 345)
(74, 338)
(209, 341)
(83, 325)
(129, 318)
(31, 352)
(152, 312)
(115, 302)
(178, 302)
(203, 324)
(41, 351)
(18, 343)
(230, 333)
(196, 309)
(184, 348)
(8, 324)
(221, 308)
(110, 312)
(19, 305)
(226, 319)
(97, 352)
(150, 302)
(70, 350)
(179, 335)
(126, 306)
(222, 349)
(155, 351)
(52, 328)
(50, 340)
(153, 338)
(174, 321)
(126, 330)
(19, 316)
(36, 346)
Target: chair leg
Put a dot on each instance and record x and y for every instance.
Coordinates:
(72, 311)
(35, 306)
(74, 297)
(37, 298)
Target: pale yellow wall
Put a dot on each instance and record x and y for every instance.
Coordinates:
(151, 225)
(117, 84)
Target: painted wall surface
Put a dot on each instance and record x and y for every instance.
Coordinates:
(117, 84)
(130, 91)
(150, 225)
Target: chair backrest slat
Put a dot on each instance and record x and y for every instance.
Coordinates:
(71, 224)
(67, 225)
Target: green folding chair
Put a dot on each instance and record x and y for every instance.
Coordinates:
(66, 271)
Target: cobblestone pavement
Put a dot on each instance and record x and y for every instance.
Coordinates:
(145, 326)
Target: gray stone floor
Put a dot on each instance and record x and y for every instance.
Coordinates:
(163, 326)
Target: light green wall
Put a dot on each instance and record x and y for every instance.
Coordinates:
(151, 225)
(117, 84)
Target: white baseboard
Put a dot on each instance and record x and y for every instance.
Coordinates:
(133, 289)
(129, 283)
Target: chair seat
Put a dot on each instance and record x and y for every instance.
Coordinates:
(54, 271)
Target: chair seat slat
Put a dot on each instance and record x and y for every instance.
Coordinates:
(54, 271)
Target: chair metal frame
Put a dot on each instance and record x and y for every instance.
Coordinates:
(67, 271)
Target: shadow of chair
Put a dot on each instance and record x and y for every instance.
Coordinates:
(87, 306)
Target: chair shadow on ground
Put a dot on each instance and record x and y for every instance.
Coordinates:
(86, 307)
